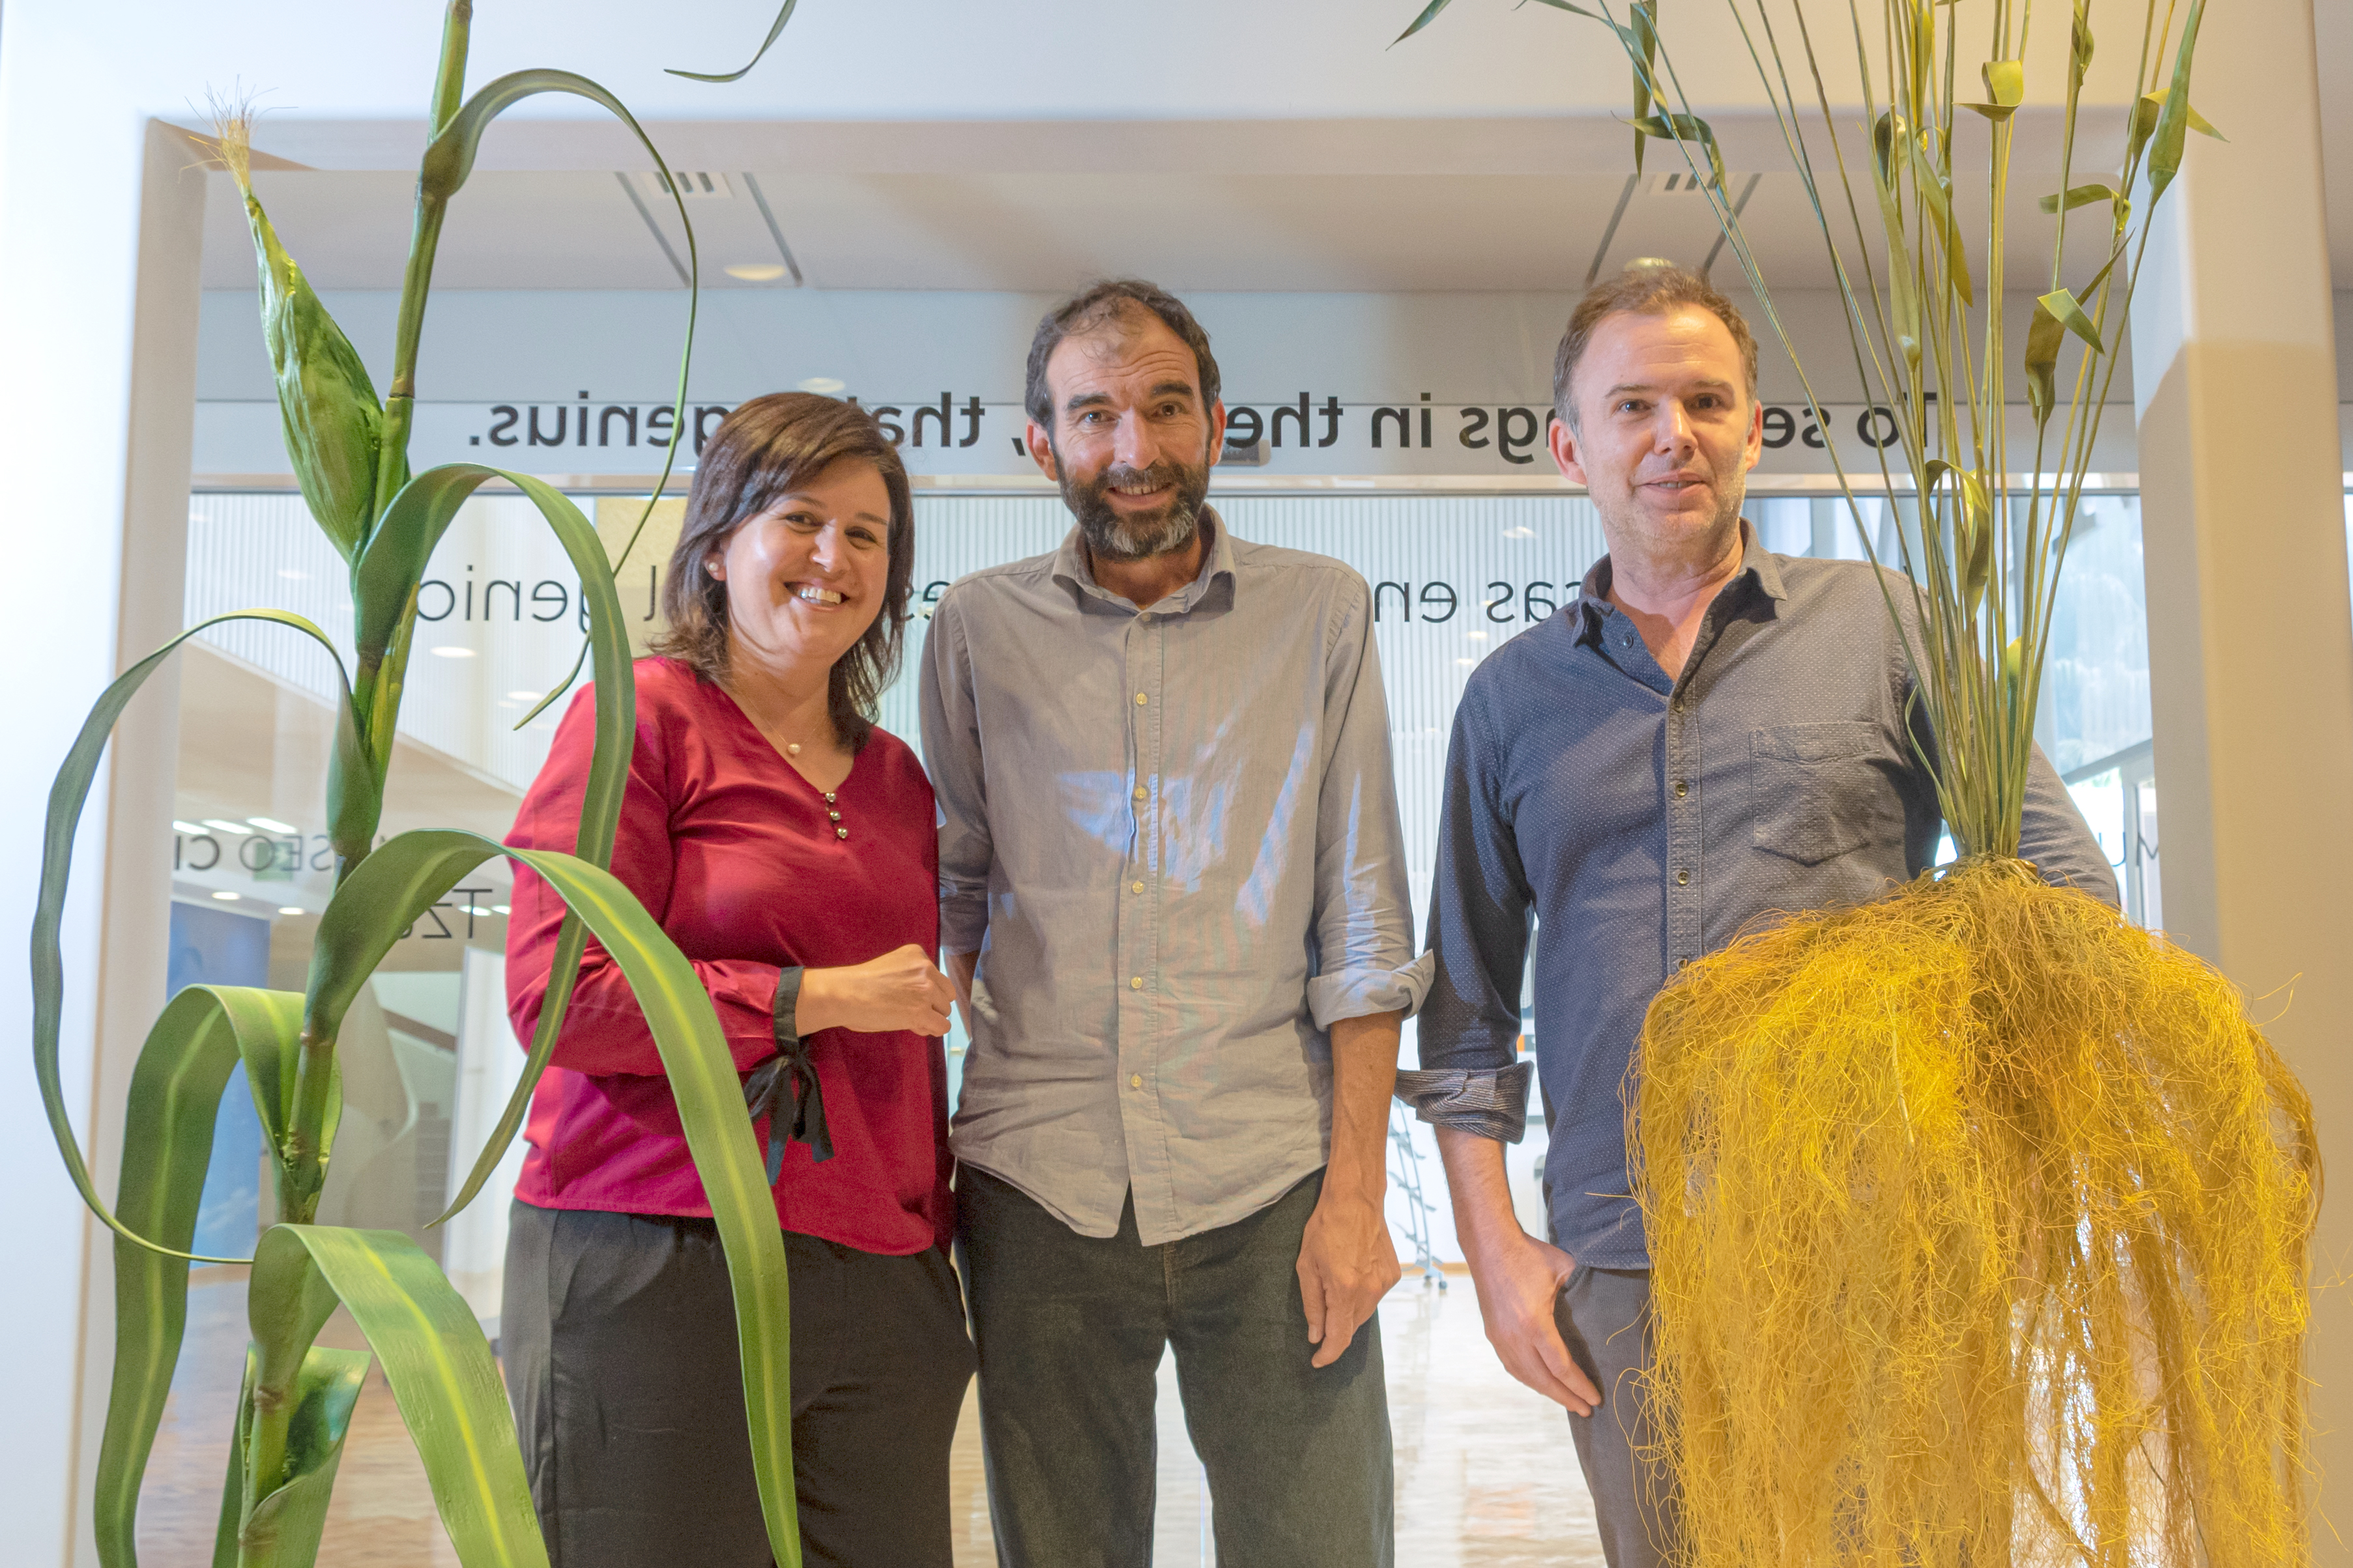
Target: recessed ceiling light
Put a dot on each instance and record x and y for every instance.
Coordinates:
(500, 910)
(523, 696)
(449, 650)
(1474, 636)
(291, 576)
(272, 824)
(217, 826)
(1466, 661)
(756, 271)
(194, 829)
(827, 384)
(293, 910)
(225, 896)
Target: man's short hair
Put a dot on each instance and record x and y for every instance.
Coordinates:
(1100, 306)
(1645, 288)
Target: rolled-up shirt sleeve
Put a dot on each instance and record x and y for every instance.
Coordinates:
(1480, 915)
(1364, 911)
(950, 727)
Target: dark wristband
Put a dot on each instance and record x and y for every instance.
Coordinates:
(784, 1087)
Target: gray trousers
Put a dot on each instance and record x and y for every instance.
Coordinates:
(1604, 1316)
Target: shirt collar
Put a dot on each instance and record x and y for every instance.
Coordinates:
(1756, 563)
(1070, 567)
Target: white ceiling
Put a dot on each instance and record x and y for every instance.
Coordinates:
(1429, 196)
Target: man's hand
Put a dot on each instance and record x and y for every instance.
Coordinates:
(1519, 1277)
(1519, 1284)
(1347, 1264)
(1346, 1260)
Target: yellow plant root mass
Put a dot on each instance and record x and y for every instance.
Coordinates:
(1980, 1221)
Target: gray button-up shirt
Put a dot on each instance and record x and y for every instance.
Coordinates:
(1171, 835)
(1640, 820)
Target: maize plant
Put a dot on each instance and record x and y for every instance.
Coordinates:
(1980, 1220)
(350, 455)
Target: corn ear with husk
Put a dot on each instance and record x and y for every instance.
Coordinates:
(1981, 1221)
(334, 424)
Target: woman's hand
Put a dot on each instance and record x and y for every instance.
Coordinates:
(899, 991)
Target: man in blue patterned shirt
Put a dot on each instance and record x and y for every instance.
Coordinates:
(1709, 734)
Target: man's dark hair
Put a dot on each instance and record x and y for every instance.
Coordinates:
(1645, 288)
(1099, 305)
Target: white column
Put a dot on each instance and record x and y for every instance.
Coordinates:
(2251, 643)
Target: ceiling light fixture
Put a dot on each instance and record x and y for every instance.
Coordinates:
(449, 651)
(271, 825)
(217, 826)
(293, 910)
(756, 271)
(827, 384)
(225, 896)
(194, 829)
(523, 696)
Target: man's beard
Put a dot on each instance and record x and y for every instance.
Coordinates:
(1137, 536)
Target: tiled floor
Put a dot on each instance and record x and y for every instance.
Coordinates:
(1486, 1478)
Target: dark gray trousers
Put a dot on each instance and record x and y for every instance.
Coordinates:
(1071, 1330)
(1604, 1316)
(618, 1335)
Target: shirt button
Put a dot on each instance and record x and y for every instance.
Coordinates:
(1139, 700)
(1135, 983)
(1135, 886)
(1682, 789)
(1139, 791)
(1681, 878)
(1683, 964)
(1135, 1081)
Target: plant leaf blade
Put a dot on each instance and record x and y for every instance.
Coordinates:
(775, 32)
(67, 795)
(442, 1376)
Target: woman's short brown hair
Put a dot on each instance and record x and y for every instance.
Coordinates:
(763, 451)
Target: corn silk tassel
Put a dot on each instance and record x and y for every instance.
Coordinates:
(1980, 1218)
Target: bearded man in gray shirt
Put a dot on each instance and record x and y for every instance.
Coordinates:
(1707, 735)
(1173, 900)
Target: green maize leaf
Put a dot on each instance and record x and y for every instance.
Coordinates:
(441, 1369)
(2081, 196)
(776, 32)
(284, 1527)
(2149, 110)
(2079, 46)
(232, 1508)
(334, 424)
(1936, 199)
(2174, 113)
(1902, 286)
(2061, 303)
(387, 572)
(1686, 128)
(176, 1092)
(410, 873)
(67, 795)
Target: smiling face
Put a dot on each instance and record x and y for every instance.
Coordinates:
(1131, 440)
(808, 576)
(1665, 433)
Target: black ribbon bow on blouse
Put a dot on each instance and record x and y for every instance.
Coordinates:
(785, 1089)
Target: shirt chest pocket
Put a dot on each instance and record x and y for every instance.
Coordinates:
(1816, 792)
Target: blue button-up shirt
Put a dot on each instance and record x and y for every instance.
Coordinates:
(1171, 833)
(1642, 820)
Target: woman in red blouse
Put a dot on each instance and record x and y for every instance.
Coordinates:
(788, 847)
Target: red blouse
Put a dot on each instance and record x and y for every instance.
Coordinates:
(731, 850)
